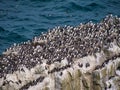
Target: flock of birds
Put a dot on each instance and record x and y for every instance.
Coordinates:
(62, 42)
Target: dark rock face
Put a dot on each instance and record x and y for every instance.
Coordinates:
(86, 55)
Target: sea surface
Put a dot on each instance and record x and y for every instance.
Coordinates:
(21, 20)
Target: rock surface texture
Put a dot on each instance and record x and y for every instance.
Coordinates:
(85, 57)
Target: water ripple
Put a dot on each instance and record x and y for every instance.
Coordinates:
(95, 5)
(76, 6)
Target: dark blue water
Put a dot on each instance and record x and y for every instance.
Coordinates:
(21, 20)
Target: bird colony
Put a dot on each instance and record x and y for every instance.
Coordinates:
(84, 57)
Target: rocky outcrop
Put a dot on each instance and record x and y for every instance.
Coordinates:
(86, 57)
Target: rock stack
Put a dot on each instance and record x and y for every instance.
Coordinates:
(85, 57)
